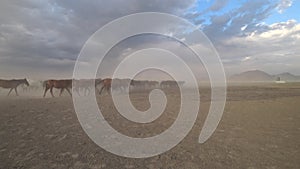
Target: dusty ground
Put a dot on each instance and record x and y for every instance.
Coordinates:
(260, 128)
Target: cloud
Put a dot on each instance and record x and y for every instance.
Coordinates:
(284, 4)
(43, 39)
(289, 29)
(277, 48)
(246, 58)
(33, 31)
(245, 42)
(218, 4)
(229, 24)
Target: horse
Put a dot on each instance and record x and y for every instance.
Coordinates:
(106, 84)
(59, 84)
(120, 85)
(171, 84)
(115, 84)
(168, 84)
(82, 85)
(150, 84)
(13, 84)
(140, 85)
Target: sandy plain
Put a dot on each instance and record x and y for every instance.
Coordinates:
(260, 128)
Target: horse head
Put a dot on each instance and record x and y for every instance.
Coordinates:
(25, 82)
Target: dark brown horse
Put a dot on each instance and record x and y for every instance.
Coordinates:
(105, 84)
(58, 84)
(13, 84)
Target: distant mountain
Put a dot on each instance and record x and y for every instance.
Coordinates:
(261, 76)
(253, 75)
(287, 77)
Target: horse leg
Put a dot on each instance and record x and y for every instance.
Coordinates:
(16, 92)
(51, 91)
(109, 89)
(46, 89)
(9, 91)
(69, 91)
(96, 90)
(61, 90)
(101, 90)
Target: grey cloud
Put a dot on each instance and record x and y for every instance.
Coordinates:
(45, 37)
(218, 4)
(38, 31)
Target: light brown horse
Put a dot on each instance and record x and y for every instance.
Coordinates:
(59, 84)
(13, 84)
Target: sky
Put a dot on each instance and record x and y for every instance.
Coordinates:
(42, 39)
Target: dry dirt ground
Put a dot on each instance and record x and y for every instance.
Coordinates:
(260, 128)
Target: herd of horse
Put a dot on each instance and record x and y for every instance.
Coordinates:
(83, 85)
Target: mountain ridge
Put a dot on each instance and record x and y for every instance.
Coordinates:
(261, 76)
